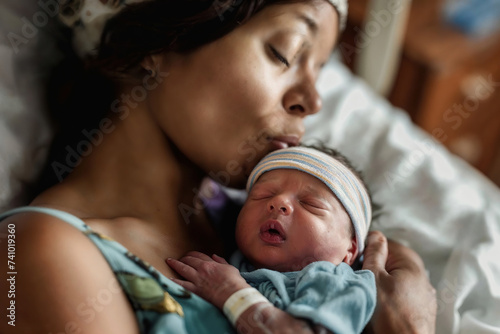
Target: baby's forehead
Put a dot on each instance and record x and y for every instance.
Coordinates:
(284, 176)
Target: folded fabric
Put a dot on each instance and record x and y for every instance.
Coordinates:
(334, 296)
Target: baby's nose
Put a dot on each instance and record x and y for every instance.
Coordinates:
(282, 206)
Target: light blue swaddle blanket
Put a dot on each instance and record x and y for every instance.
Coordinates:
(334, 296)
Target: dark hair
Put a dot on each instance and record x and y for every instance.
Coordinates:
(157, 26)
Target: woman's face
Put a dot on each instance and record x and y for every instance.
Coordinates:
(232, 101)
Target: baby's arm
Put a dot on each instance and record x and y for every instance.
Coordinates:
(211, 278)
(334, 296)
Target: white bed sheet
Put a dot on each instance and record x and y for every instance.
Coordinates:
(433, 201)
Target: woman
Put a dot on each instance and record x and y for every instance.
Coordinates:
(224, 85)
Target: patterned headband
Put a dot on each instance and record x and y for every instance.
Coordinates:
(336, 176)
(87, 19)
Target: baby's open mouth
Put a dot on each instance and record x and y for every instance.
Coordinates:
(272, 232)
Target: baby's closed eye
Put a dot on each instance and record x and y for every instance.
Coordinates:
(313, 204)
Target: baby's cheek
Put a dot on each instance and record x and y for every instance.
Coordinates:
(238, 237)
(242, 234)
(330, 249)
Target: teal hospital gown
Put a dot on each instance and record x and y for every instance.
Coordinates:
(334, 296)
(160, 305)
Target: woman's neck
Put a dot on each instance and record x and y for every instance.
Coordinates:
(133, 172)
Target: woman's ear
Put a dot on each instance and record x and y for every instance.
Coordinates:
(352, 252)
(151, 63)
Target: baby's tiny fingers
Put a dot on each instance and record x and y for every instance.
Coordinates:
(182, 269)
(198, 255)
(193, 261)
(219, 259)
(185, 284)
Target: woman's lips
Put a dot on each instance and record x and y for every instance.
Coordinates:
(272, 232)
(280, 142)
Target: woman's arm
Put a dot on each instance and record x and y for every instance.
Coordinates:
(63, 284)
(406, 301)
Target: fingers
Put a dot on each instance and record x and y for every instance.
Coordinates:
(403, 258)
(189, 265)
(198, 255)
(185, 270)
(196, 267)
(219, 259)
(185, 284)
(375, 253)
(194, 261)
(205, 257)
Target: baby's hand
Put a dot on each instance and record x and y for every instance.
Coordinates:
(211, 278)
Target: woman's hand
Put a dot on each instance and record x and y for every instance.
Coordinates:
(406, 301)
(211, 278)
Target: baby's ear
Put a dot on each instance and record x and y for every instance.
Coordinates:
(352, 252)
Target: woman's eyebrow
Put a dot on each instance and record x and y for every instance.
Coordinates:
(309, 21)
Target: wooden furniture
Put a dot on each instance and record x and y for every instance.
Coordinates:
(448, 82)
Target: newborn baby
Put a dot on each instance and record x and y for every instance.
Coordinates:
(300, 230)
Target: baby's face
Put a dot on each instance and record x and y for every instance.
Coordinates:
(291, 219)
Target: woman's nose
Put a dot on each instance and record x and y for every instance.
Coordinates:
(280, 205)
(303, 98)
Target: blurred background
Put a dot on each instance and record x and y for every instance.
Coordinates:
(440, 61)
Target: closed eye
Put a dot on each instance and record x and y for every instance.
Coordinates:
(260, 195)
(257, 198)
(279, 56)
(313, 205)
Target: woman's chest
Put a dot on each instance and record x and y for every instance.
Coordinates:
(154, 247)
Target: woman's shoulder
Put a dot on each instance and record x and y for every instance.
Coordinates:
(28, 221)
(38, 235)
(57, 278)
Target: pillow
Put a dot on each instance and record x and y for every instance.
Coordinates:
(24, 130)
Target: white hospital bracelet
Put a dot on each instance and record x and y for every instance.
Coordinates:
(240, 301)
